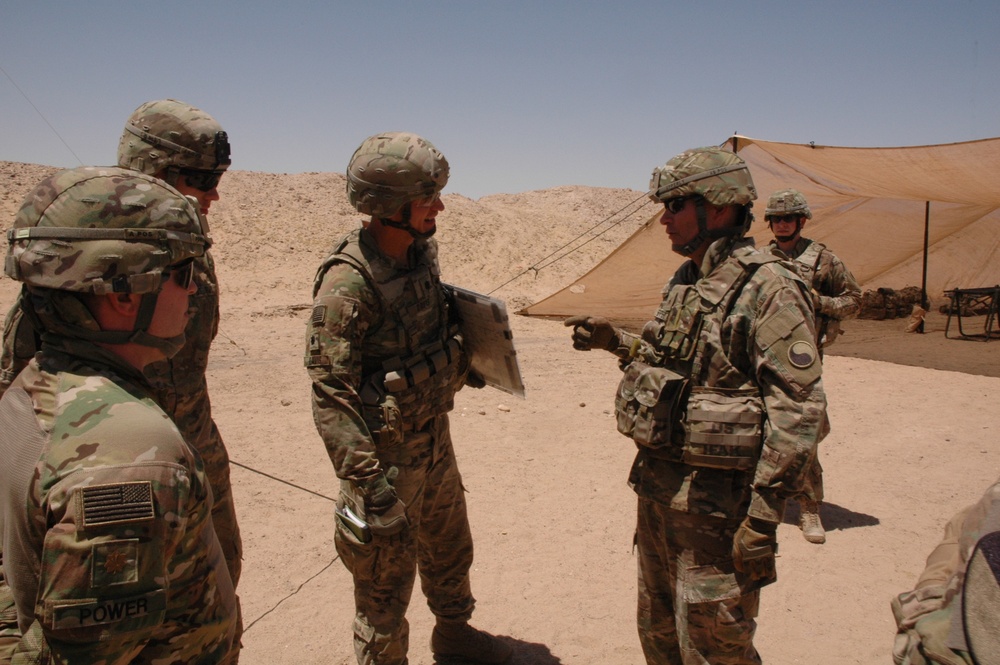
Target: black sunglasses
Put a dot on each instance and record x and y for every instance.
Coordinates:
(182, 274)
(204, 181)
(675, 205)
(787, 219)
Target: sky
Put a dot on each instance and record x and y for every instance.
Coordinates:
(519, 96)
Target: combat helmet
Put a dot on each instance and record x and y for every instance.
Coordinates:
(716, 175)
(787, 202)
(167, 135)
(101, 230)
(392, 169)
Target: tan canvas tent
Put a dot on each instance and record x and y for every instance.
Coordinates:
(870, 205)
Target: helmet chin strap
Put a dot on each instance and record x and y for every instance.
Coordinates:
(61, 313)
(706, 234)
(794, 234)
(405, 225)
(170, 346)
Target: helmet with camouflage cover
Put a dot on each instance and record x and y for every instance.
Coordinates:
(716, 175)
(99, 231)
(166, 135)
(787, 202)
(392, 169)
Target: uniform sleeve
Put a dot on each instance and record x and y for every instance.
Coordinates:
(131, 564)
(344, 309)
(10, 634)
(839, 293)
(19, 345)
(788, 372)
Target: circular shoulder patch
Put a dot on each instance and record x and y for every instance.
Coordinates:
(802, 354)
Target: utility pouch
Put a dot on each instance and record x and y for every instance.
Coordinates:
(382, 416)
(723, 428)
(649, 400)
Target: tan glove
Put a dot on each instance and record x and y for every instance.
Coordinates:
(386, 514)
(592, 332)
(390, 521)
(754, 548)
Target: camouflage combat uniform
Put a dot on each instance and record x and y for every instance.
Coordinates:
(181, 389)
(839, 299)
(929, 618)
(108, 539)
(385, 364)
(739, 329)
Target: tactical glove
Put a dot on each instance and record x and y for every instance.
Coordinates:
(754, 548)
(817, 301)
(592, 332)
(385, 512)
(389, 522)
(474, 379)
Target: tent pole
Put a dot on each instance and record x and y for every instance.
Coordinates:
(923, 285)
(736, 147)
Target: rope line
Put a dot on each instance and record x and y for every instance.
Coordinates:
(300, 587)
(536, 267)
(267, 475)
(40, 114)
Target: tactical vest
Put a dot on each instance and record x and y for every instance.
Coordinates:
(666, 407)
(412, 357)
(806, 265)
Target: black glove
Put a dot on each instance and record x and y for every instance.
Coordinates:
(754, 547)
(592, 332)
(474, 379)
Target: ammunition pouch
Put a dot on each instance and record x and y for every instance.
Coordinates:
(723, 428)
(648, 403)
(411, 391)
(675, 329)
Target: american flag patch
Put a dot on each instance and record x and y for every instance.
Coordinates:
(120, 502)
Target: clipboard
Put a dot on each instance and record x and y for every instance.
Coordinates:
(488, 340)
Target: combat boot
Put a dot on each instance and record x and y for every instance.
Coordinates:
(458, 641)
(812, 527)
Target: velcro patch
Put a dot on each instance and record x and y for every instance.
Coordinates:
(102, 505)
(147, 608)
(802, 354)
(115, 562)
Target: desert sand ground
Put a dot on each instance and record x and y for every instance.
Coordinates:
(914, 440)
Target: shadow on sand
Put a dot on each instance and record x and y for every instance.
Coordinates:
(834, 517)
(525, 653)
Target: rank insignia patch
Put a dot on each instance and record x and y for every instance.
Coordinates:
(115, 562)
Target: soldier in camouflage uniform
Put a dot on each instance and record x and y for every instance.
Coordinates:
(110, 550)
(723, 397)
(930, 618)
(385, 359)
(836, 297)
(187, 148)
